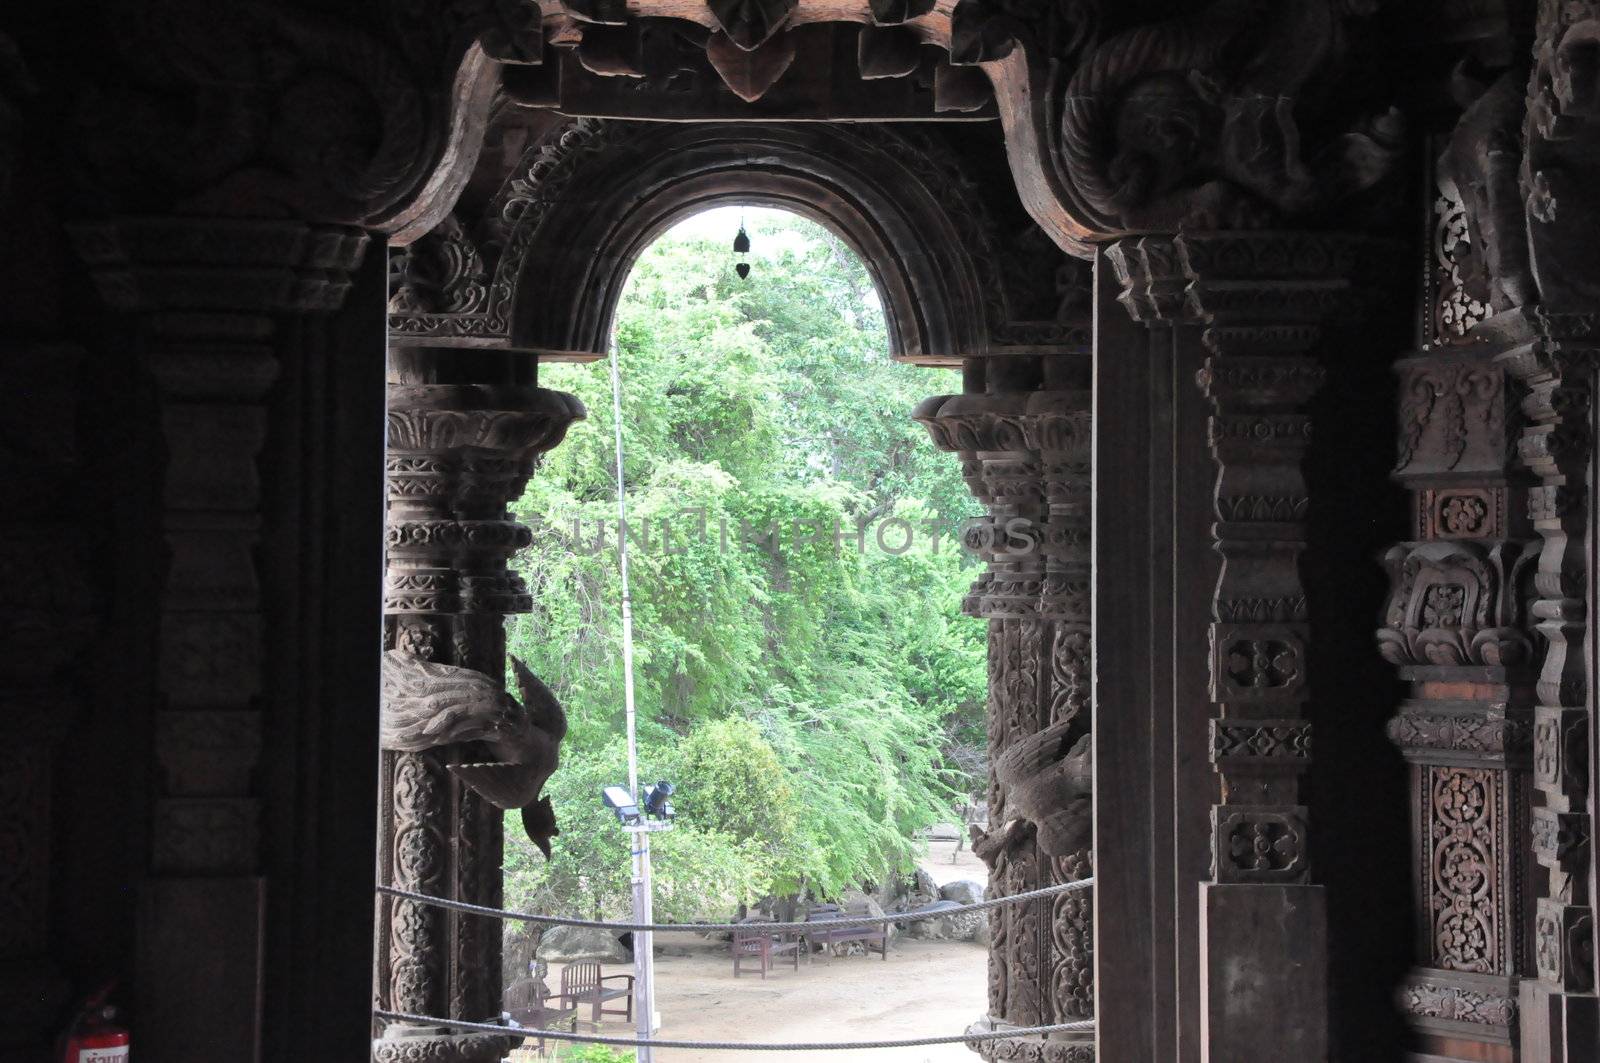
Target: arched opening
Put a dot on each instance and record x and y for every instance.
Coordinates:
(527, 274)
(804, 676)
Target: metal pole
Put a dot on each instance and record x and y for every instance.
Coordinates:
(644, 998)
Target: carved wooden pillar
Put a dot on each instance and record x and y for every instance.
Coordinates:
(1560, 175)
(466, 429)
(210, 295)
(1022, 432)
(1455, 628)
(1558, 370)
(1256, 302)
(46, 543)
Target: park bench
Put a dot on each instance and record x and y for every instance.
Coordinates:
(527, 1001)
(582, 983)
(762, 947)
(871, 936)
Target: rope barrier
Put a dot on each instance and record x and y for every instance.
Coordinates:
(831, 923)
(748, 1046)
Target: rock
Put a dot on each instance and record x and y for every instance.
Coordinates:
(520, 946)
(962, 891)
(945, 832)
(959, 926)
(936, 929)
(982, 936)
(852, 901)
(570, 944)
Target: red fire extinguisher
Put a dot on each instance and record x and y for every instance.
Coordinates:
(96, 1035)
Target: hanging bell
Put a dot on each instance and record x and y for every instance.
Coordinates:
(741, 243)
(743, 270)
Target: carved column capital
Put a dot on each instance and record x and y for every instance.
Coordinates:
(180, 263)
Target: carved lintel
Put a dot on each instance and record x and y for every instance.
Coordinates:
(1463, 732)
(1454, 1003)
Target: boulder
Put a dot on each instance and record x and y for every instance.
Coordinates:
(571, 944)
(945, 832)
(962, 891)
(936, 929)
(959, 926)
(852, 901)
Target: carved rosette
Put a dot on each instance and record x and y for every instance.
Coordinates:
(457, 455)
(1024, 444)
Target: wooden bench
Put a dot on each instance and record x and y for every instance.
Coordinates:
(763, 947)
(582, 983)
(527, 1002)
(871, 936)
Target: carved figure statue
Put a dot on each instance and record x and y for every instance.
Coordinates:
(1048, 794)
(1192, 122)
(427, 705)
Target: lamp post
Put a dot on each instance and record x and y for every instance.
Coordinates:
(640, 819)
(657, 812)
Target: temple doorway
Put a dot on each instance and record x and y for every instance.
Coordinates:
(805, 678)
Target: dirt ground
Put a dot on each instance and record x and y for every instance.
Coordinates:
(925, 988)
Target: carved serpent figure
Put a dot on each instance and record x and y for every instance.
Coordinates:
(427, 705)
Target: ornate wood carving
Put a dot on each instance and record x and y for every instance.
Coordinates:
(458, 748)
(1263, 299)
(586, 194)
(1198, 122)
(1558, 371)
(1258, 303)
(1023, 441)
(208, 295)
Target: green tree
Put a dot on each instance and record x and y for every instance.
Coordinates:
(801, 686)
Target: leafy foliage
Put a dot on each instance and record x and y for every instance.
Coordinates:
(802, 685)
(595, 1054)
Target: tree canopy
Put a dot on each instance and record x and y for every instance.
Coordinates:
(803, 670)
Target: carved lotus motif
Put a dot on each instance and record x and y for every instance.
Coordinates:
(1456, 603)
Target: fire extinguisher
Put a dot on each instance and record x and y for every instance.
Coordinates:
(96, 1035)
